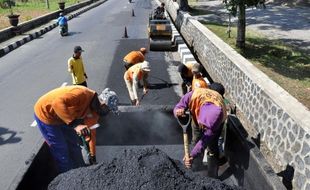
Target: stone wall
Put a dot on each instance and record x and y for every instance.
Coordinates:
(282, 122)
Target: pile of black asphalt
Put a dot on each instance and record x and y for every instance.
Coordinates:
(148, 168)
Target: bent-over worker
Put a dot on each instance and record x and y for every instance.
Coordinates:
(134, 57)
(132, 76)
(208, 113)
(60, 114)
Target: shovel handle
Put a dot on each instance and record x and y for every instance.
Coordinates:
(186, 145)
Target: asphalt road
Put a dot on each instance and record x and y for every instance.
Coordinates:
(41, 65)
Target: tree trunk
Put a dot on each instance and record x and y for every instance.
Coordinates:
(183, 5)
(240, 42)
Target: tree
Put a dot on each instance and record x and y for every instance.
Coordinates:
(183, 5)
(239, 6)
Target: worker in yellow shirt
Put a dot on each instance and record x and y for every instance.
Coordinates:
(134, 57)
(76, 67)
(198, 80)
(132, 76)
(61, 114)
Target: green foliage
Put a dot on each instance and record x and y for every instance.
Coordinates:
(232, 5)
(287, 66)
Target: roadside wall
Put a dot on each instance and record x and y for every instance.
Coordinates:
(282, 122)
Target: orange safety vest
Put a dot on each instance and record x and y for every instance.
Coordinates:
(134, 57)
(202, 96)
(134, 70)
(199, 83)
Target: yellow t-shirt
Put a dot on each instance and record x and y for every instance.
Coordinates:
(76, 68)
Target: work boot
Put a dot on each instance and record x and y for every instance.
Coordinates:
(212, 165)
(92, 160)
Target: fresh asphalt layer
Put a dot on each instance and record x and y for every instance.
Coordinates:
(41, 65)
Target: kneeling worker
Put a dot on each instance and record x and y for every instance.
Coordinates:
(132, 76)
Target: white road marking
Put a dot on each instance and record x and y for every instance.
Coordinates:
(34, 123)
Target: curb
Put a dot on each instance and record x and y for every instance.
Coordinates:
(183, 50)
(7, 49)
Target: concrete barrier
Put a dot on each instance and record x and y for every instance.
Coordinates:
(281, 121)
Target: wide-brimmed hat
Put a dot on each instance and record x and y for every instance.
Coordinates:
(196, 68)
(145, 66)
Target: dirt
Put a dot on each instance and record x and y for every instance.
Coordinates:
(148, 168)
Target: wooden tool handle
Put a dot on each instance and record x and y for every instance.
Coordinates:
(186, 146)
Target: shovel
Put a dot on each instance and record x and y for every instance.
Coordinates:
(184, 123)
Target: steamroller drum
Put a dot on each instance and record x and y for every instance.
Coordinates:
(160, 45)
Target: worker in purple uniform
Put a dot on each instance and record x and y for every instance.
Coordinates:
(208, 113)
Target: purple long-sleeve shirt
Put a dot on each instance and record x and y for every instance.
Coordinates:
(210, 117)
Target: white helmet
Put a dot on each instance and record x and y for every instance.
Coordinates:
(109, 98)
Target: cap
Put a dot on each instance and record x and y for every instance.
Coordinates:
(143, 50)
(145, 66)
(196, 68)
(77, 49)
(217, 87)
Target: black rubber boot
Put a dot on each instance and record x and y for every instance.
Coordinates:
(92, 160)
(212, 165)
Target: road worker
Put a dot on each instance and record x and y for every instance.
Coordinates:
(198, 80)
(208, 112)
(132, 77)
(60, 115)
(76, 67)
(134, 57)
(159, 12)
(186, 74)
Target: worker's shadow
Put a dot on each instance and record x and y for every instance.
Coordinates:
(287, 176)
(161, 85)
(7, 136)
(237, 151)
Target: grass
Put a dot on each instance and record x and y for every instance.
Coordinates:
(288, 67)
(29, 10)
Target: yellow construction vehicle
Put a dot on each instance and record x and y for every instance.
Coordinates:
(160, 33)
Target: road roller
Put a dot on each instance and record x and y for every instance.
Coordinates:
(160, 34)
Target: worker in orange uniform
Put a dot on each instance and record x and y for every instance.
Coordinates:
(208, 112)
(198, 80)
(132, 76)
(186, 74)
(134, 57)
(60, 116)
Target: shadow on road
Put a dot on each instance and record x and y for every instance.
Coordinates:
(8, 136)
(161, 85)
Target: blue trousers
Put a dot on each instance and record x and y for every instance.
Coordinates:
(64, 144)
